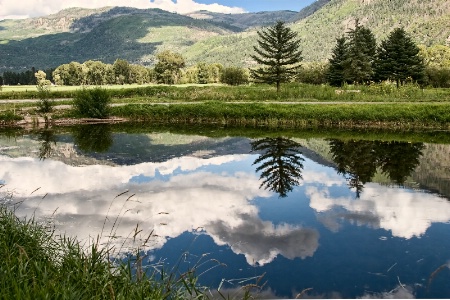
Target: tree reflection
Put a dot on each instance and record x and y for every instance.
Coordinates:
(358, 161)
(93, 138)
(280, 164)
(47, 139)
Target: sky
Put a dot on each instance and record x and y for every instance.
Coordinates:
(12, 9)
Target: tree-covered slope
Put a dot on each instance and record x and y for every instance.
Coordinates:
(131, 34)
(426, 21)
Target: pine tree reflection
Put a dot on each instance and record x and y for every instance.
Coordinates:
(47, 138)
(93, 138)
(280, 164)
(358, 161)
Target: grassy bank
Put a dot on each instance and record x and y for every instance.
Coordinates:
(37, 264)
(403, 115)
(289, 92)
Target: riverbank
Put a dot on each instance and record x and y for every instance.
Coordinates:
(297, 105)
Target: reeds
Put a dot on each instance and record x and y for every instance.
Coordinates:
(38, 264)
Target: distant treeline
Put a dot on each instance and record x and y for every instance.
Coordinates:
(172, 70)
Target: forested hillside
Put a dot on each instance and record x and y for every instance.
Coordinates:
(426, 21)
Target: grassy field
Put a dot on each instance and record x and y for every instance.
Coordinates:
(289, 92)
(378, 105)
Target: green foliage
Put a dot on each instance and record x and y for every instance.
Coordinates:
(234, 76)
(313, 73)
(294, 115)
(361, 50)
(202, 73)
(168, 67)
(45, 105)
(38, 264)
(398, 59)
(92, 103)
(278, 50)
(438, 77)
(336, 71)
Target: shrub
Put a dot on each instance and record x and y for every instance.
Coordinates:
(92, 103)
(234, 76)
(438, 77)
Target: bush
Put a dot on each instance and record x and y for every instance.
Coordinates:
(92, 103)
(234, 76)
(438, 77)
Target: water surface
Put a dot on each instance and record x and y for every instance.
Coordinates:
(342, 217)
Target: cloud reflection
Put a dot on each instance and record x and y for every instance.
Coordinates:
(190, 199)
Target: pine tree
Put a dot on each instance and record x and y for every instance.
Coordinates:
(335, 73)
(360, 55)
(398, 58)
(279, 51)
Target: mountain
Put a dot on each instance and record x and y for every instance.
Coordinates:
(247, 20)
(137, 35)
(111, 33)
(427, 21)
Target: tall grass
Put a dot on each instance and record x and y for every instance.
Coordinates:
(38, 264)
(294, 115)
(289, 92)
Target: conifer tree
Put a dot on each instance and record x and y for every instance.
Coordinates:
(360, 55)
(335, 73)
(279, 51)
(398, 58)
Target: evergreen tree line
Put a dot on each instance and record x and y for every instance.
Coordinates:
(23, 78)
(356, 59)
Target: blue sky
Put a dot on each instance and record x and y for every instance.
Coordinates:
(262, 5)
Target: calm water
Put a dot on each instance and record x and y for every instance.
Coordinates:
(345, 217)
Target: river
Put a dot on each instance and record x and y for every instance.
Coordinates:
(312, 212)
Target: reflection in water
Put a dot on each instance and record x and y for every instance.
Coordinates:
(358, 160)
(280, 164)
(47, 139)
(319, 236)
(93, 138)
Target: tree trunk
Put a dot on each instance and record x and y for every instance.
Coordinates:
(278, 86)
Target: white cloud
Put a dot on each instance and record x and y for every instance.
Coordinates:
(35, 8)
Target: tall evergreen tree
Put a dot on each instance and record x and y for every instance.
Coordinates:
(335, 73)
(279, 51)
(398, 58)
(360, 55)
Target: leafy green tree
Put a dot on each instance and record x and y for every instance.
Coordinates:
(95, 72)
(234, 76)
(122, 71)
(336, 69)
(202, 73)
(361, 51)
(280, 164)
(168, 68)
(278, 50)
(398, 59)
(45, 105)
